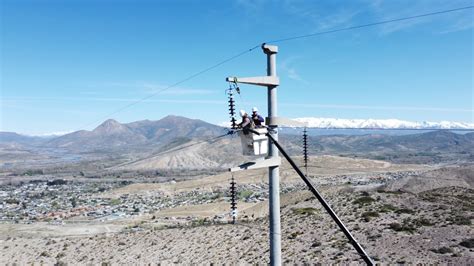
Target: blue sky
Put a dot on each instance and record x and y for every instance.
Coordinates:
(66, 65)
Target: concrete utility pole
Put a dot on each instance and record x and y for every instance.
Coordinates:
(274, 171)
(273, 160)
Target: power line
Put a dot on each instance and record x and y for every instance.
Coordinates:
(209, 140)
(173, 85)
(368, 25)
(383, 129)
(272, 41)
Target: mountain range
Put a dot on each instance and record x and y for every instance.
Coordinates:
(111, 135)
(333, 123)
(179, 142)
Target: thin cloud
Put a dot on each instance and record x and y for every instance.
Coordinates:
(387, 10)
(286, 66)
(463, 23)
(317, 16)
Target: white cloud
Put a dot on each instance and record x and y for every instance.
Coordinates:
(287, 67)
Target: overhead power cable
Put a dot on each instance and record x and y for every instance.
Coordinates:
(382, 129)
(179, 148)
(198, 73)
(173, 85)
(368, 25)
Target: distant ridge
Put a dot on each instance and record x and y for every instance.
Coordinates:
(334, 123)
(112, 134)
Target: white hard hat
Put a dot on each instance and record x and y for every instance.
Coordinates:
(242, 113)
(255, 109)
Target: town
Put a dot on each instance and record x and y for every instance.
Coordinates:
(60, 200)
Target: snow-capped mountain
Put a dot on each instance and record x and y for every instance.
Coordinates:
(315, 122)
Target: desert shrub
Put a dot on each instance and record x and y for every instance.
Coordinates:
(404, 210)
(369, 215)
(114, 202)
(442, 250)
(45, 254)
(468, 243)
(305, 211)
(200, 222)
(396, 192)
(294, 235)
(364, 200)
(387, 208)
(460, 220)
(12, 201)
(422, 222)
(406, 226)
(33, 172)
(244, 194)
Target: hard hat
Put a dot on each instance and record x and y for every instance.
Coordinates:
(255, 109)
(242, 113)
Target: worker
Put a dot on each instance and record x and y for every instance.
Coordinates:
(246, 123)
(256, 118)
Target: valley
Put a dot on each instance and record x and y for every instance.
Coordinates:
(110, 196)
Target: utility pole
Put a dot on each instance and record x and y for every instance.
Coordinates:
(274, 171)
(273, 160)
(305, 150)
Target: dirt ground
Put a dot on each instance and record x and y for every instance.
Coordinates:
(397, 223)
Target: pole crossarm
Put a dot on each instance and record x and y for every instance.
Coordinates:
(272, 161)
(259, 81)
(326, 206)
(283, 121)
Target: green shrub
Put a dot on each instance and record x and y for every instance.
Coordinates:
(387, 208)
(114, 202)
(244, 194)
(364, 200)
(305, 211)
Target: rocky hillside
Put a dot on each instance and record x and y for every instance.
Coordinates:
(179, 142)
(112, 135)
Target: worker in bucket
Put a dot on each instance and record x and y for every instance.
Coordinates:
(246, 123)
(256, 118)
